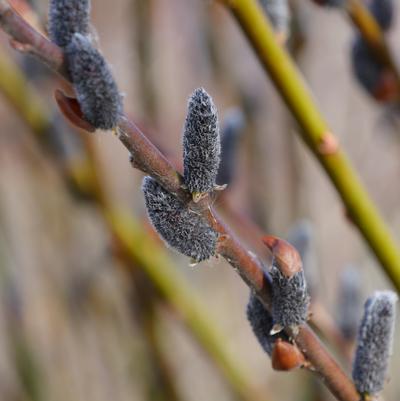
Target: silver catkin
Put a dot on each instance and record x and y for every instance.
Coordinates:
(180, 227)
(95, 87)
(279, 13)
(231, 131)
(349, 302)
(383, 11)
(301, 236)
(262, 323)
(374, 343)
(201, 143)
(67, 17)
(290, 300)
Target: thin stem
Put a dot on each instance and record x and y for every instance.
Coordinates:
(147, 157)
(317, 135)
(199, 323)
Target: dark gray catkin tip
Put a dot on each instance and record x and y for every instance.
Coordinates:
(261, 323)
(67, 17)
(95, 87)
(383, 11)
(290, 299)
(374, 342)
(201, 143)
(181, 228)
(366, 68)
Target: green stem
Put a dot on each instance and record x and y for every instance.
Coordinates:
(316, 133)
(22, 96)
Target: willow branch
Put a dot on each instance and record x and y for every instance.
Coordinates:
(147, 158)
(317, 135)
(187, 306)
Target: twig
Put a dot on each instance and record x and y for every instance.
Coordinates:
(203, 330)
(317, 135)
(146, 157)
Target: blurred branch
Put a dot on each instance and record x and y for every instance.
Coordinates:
(147, 157)
(170, 281)
(317, 135)
(22, 353)
(22, 96)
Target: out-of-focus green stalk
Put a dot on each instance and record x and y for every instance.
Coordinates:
(22, 96)
(143, 251)
(317, 135)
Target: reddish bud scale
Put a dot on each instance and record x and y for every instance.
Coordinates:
(286, 356)
(71, 110)
(286, 255)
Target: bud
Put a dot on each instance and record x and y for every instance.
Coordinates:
(286, 356)
(96, 90)
(67, 17)
(374, 343)
(232, 129)
(181, 228)
(290, 300)
(201, 144)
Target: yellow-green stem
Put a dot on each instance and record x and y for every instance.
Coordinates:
(22, 96)
(317, 135)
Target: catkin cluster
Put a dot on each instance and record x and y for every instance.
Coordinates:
(96, 90)
(182, 228)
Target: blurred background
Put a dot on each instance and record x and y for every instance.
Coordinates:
(79, 319)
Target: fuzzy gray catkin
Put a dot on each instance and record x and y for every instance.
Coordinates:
(374, 342)
(330, 3)
(383, 11)
(67, 17)
(290, 298)
(232, 129)
(201, 144)
(366, 67)
(95, 87)
(301, 236)
(261, 323)
(349, 303)
(279, 14)
(181, 228)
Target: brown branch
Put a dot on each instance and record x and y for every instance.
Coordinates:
(148, 158)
